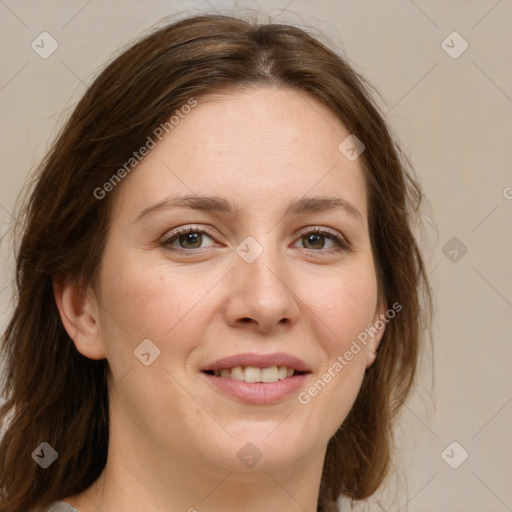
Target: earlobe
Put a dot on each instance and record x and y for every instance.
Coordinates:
(379, 324)
(79, 314)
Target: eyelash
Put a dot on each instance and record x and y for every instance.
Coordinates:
(342, 243)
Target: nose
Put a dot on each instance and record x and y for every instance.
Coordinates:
(261, 294)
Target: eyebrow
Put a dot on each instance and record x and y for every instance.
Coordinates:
(220, 205)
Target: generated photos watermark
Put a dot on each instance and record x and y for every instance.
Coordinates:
(357, 345)
(137, 156)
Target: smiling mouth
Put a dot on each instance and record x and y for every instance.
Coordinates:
(255, 374)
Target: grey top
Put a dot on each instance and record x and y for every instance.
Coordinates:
(61, 506)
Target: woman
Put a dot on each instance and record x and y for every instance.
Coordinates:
(220, 298)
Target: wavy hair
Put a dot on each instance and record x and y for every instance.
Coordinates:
(52, 392)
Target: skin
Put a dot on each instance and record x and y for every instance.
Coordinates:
(174, 438)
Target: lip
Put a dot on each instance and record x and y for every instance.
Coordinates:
(258, 393)
(259, 361)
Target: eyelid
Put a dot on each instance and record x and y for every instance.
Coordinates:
(172, 235)
(340, 240)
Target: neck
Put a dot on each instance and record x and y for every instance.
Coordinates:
(138, 476)
(129, 487)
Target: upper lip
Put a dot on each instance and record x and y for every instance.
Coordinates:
(259, 361)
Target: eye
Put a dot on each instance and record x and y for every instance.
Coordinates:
(186, 238)
(314, 239)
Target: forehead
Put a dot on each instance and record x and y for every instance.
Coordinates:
(254, 146)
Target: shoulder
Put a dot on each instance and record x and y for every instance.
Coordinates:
(61, 506)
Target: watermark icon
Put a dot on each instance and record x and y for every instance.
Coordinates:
(454, 249)
(351, 147)
(249, 455)
(44, 45)
(147, 352)
(249, 249)
(454, 455)
(304, 397)
(507, 192)
(137, 156)
(45, 455)
(454, 45)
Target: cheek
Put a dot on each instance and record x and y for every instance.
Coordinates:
(152, 300)
(344, 304)
(342, 308)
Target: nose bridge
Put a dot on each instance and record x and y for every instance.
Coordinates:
(261, 290)
(263, 272)
(261, 263)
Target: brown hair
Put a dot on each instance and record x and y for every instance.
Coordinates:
(55, 394)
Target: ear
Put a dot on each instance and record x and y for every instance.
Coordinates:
(379, 325)
(79, 313)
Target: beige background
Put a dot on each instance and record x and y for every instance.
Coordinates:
(454, 118)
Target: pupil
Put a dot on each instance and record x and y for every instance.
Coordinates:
(313, 239)
(192, 238)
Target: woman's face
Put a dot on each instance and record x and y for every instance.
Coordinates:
(251, 281)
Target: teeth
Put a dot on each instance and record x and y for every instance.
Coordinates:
(255, 374)
(236, 373)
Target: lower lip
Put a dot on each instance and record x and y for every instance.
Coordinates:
(258, 392)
